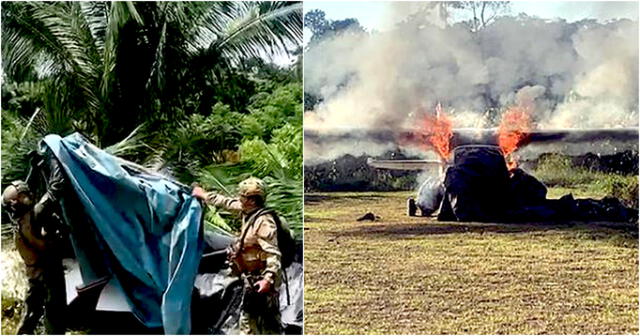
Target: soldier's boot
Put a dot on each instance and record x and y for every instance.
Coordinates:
(411, 207)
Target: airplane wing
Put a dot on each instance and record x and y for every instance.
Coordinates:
(470, 136)
(404, 164)
(617, 138)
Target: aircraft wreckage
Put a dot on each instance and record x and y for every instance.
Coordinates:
(478, 178)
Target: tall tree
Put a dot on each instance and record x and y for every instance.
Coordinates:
(322, 28)
(481, 13)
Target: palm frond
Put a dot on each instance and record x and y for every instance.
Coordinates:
(259, 28)
(95, 15)
(214, 221)
(48, 37)
(104, 67)
(132, 143)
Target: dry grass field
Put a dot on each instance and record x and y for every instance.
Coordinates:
(404, 275)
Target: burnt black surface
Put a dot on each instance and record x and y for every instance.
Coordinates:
(477, 185)
(479, 188)
(526, 189)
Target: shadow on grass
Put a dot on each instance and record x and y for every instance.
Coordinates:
(317, 199)
(600, 230)
(315, 219)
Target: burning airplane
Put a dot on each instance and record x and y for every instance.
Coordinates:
(479, 178)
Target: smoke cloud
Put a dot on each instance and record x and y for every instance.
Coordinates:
(575, 75)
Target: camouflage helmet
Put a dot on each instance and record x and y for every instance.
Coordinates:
(16, 188)
(252, 187)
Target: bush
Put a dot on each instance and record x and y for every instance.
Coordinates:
(623, 187)
(270, 112)
(557, 170)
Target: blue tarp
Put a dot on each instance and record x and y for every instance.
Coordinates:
(149, 226)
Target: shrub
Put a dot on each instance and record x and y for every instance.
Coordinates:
(557, 170)
(623, 187)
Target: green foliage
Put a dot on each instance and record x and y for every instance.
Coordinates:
(278, 162)
(322, 28)
(623, 187)
(199, 139)
(175, 86)
(271, 111)
(113, 66)
(17, 143)
(284, 194)
(214, 220)
(22, 98)
(288, 140)
(283, 156)
(271, 148)
(558, 171)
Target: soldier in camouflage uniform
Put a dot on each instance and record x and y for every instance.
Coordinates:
(254, 256)
(36, 242)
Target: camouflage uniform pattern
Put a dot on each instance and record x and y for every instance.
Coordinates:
(37, 242)
(45, 294)
(258, 259)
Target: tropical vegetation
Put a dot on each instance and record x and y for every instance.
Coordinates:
(187, 89)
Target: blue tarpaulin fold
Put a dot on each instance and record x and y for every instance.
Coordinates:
(150, 225)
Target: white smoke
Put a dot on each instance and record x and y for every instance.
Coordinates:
(578, 75)
(315, 153)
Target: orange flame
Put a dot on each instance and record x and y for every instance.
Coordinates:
(513, 132)
(436, 133)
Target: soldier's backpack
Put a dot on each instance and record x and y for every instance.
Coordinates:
(286, 243)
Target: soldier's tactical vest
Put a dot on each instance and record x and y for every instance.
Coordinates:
(248, 250)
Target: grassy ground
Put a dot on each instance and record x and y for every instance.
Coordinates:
(406, 275)
(14, 287)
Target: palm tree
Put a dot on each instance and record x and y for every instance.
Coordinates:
(110, 66)
(105, 68)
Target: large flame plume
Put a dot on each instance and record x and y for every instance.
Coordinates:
(435, 132)
(513, 131)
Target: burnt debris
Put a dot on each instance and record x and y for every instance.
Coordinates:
(478, 187)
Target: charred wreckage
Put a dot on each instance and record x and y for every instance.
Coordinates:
(477, 186)
(478, 176)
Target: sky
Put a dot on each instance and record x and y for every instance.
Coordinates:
(371, 15)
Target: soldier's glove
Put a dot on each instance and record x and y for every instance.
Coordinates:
(262, 286)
